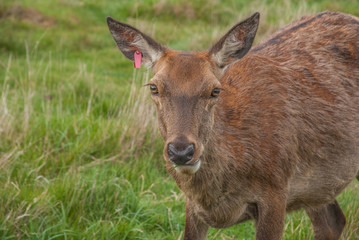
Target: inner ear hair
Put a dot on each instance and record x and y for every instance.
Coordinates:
(129, 40)
(236, 42)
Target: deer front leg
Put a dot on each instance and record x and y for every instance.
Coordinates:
(270, 218)
(195, 229)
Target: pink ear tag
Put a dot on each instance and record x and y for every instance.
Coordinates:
(138, 56)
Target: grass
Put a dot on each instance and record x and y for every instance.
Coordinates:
(80, 153)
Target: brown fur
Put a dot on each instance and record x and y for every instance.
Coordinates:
(282, 135)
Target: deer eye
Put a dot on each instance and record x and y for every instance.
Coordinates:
(215, 93)
(154, 89)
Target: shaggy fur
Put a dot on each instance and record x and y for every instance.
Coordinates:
(283, 133)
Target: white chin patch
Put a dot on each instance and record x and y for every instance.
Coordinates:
(188, 168)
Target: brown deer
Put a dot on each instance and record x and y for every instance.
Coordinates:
(255, 134)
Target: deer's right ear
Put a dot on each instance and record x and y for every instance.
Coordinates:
(129, 40)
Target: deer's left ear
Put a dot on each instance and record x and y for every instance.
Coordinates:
(235, 43)
(129, 40)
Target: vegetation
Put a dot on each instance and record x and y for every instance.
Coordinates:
(80, 154)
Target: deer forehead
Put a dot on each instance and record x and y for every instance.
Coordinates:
(187, 72)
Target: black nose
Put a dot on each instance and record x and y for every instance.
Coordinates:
(180, 155)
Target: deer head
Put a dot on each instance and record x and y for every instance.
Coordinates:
(186, 86)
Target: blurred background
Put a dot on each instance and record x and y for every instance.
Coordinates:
(80, 153)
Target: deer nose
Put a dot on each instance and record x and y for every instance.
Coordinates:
(180, 155)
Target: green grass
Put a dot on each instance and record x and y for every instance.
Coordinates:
(80, 153)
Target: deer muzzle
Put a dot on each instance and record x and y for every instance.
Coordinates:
(184, 155)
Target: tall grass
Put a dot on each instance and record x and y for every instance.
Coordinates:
(62, 159)
(80, 153)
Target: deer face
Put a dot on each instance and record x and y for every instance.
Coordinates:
(185, 89)
(186, 86)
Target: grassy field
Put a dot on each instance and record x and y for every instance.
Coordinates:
(80, 154)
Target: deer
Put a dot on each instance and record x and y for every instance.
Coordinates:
(255, 133)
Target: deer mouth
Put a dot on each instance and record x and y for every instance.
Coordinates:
(188, 168)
